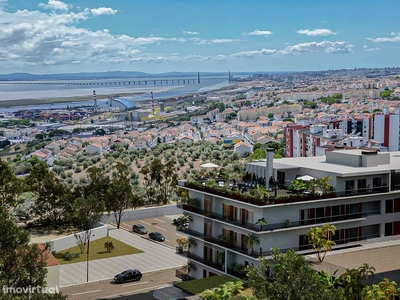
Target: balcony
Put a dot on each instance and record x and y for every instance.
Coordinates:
(203, 261)
(273, 226)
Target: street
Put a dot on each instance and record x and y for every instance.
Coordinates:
(106, 289)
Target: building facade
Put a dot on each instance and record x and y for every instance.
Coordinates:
(363, 203)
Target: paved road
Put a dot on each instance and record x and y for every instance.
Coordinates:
(155, 257)
(161, 224)
(153, 283)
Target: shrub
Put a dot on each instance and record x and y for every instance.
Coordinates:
(109, 246)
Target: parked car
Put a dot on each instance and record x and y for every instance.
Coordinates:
(156, 236)
(138, 228)
(128, 275)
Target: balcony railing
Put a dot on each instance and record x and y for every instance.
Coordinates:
(273, 226)
(200, 259)
(306, 249)
(280, 199)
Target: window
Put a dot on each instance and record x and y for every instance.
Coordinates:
(392, 205)
(349, 186)
(389, 229)
(361, 185)
(319, 214)
(336, 213)
(389, 206)
(377, 184)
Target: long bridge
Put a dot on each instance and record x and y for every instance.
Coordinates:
(109, 83)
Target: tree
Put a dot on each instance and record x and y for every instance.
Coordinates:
(190, 243)
(365, 271)
(119, 193)
(21, 264)
(287, 276)
(160, 180)
(298, 186)
(227, 291)
(10, 186)
(221, 107)
(260, 192)
(53, 198)
(351, 282)
(320, 239)
(261, 222)
(250, 240)
(323, 184)
(385, 290)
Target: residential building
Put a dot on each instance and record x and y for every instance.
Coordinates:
(363, 203)
(242, 149)
(387, 129)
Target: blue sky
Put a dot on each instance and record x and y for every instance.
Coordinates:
(51, 36)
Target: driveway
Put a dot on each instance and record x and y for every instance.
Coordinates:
(155, 257)
(161, 224)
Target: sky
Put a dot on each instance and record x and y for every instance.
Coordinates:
(156, 36)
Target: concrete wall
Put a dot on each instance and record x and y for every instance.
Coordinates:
(144, 213)
(100, 231)
(53, 278)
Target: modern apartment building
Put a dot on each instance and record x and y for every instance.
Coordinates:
(387, 129)
(363, 203)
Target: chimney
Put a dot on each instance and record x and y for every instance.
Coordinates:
(269, 170)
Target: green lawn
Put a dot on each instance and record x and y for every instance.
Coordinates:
(197, 286)
(97, 251)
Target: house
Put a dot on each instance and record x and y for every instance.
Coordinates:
(94, 148)
(185, 140)
(53, 270)
(42, 154)
(242, 149)
(362, 201)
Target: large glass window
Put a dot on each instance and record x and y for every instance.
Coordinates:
(361, 185)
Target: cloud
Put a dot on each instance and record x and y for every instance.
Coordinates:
(368, 49)
(254, 53)
(190, 32)
(395, 38)
(259, 32)
(220, 41)
(55, 5)
(316, 32)
(37, 38)
(327, 46)
(103, 11)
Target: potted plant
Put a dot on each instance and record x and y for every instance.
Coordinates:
(221, 259)
(250, 240)
(288, 223)
(181, 243)
(226, 240)
(261, 222)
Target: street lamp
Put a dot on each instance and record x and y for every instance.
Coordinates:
(87, 259)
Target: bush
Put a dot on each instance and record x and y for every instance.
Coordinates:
(109, 246)
(68, 256)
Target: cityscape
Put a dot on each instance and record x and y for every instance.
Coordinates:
(160, 162)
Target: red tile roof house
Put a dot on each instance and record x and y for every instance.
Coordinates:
(53, 270)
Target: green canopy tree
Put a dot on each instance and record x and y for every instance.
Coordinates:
(53, 198)
(287, 276)
(231, 290)
(120, 195)
(10, 185)
(21, 264)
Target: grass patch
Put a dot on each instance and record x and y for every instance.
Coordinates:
(197, 286)
(97, 251)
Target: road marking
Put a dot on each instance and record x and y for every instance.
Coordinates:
(159, 220)
(180, 235)
(160, 228)
(129, 226)
(136, 283)
(86, 293)
(145, 222)
(143, 289)
(167, 241)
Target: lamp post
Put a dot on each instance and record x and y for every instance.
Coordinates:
(87, 259)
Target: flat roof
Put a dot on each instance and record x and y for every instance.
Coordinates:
(319, 163)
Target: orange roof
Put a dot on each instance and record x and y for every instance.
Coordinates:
(50, 259)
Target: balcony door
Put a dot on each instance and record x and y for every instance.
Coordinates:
(207, 206)
(207, 229)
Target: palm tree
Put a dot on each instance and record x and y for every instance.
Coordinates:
(189, 267)
(365, 270)
(260, 192)
(250, 240)
(190, 243)
(320, 239)
(323, 183)
(351, 281)
(298, 186)
(261, 222)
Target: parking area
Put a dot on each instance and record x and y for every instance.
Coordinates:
(162, 225)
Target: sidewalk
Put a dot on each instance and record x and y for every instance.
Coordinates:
(155, 257)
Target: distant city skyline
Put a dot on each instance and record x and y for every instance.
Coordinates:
(51, 36)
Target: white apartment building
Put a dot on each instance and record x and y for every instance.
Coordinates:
(387, 129)
(364, 204)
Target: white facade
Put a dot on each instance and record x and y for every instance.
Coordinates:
(365, 204)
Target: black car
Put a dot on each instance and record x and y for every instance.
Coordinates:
(156, 236)
(138, 228)
(128, 275)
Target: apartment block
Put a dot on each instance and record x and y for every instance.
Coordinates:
(363, 204)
